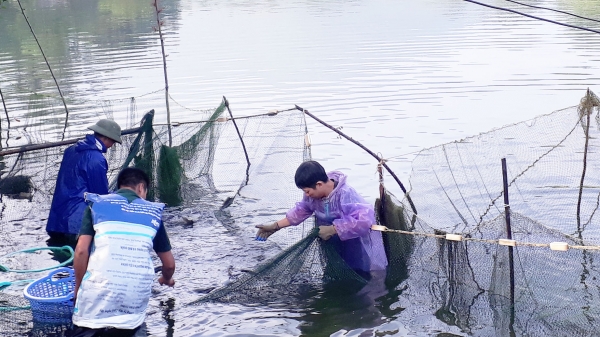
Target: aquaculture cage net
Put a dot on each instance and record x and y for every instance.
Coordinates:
(181, 165)
(451, 262)
(287, 278)
(200, 160)
(15, 315)
(306, 265)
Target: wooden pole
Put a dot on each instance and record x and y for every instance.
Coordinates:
(241, 139)
(49, 68)
(33, 147)
(159, 23)
(368, 151)
(585, 108)
(6, 112)
(511, 264)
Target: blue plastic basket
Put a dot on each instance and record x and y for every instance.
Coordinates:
(51, 297)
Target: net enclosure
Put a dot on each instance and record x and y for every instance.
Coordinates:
(290, 276)
(471, 253)
(206, 161)
(463, 256)
(213, 156)
(488, 256)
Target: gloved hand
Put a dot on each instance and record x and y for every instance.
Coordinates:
(326, 232)
(264, 231)
(170, 282)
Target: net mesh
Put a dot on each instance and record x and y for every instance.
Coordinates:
(477, 285)
(15, 315)
(200, 162)
(458, 186)
(288, 277)
(180, 173)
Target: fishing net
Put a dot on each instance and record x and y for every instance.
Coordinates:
(478, 283)
(180, 171)
(550, 161)
(307, 264)
(457, 189)
(397, 247)
(179, 159)
(206, 161)
(15, 314)
(286, 278)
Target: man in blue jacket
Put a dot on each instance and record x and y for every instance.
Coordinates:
(83, 169)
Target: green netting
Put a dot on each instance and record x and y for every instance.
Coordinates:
(169, 176)
(300, 269)
(171, 171)
(178, 172)
(201, 163)
(397, 247)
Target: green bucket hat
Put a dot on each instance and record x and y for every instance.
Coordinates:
(108, 128)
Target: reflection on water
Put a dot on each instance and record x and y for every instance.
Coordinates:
(398, 76)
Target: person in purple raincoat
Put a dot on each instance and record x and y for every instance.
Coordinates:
(342, 215)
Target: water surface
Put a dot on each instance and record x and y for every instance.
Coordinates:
(397, 76)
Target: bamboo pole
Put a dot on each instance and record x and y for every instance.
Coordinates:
(7, 121)
(412, 205)
(585, 109)
(241, 140)
(6, 112)
(33, 147)
(49, 68)
(159, 23)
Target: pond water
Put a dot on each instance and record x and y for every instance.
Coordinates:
(397, 76)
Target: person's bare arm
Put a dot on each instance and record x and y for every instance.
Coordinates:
(80, 261)
(168, 268)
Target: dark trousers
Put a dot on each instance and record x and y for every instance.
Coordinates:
(61, 239)
(77, 331)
